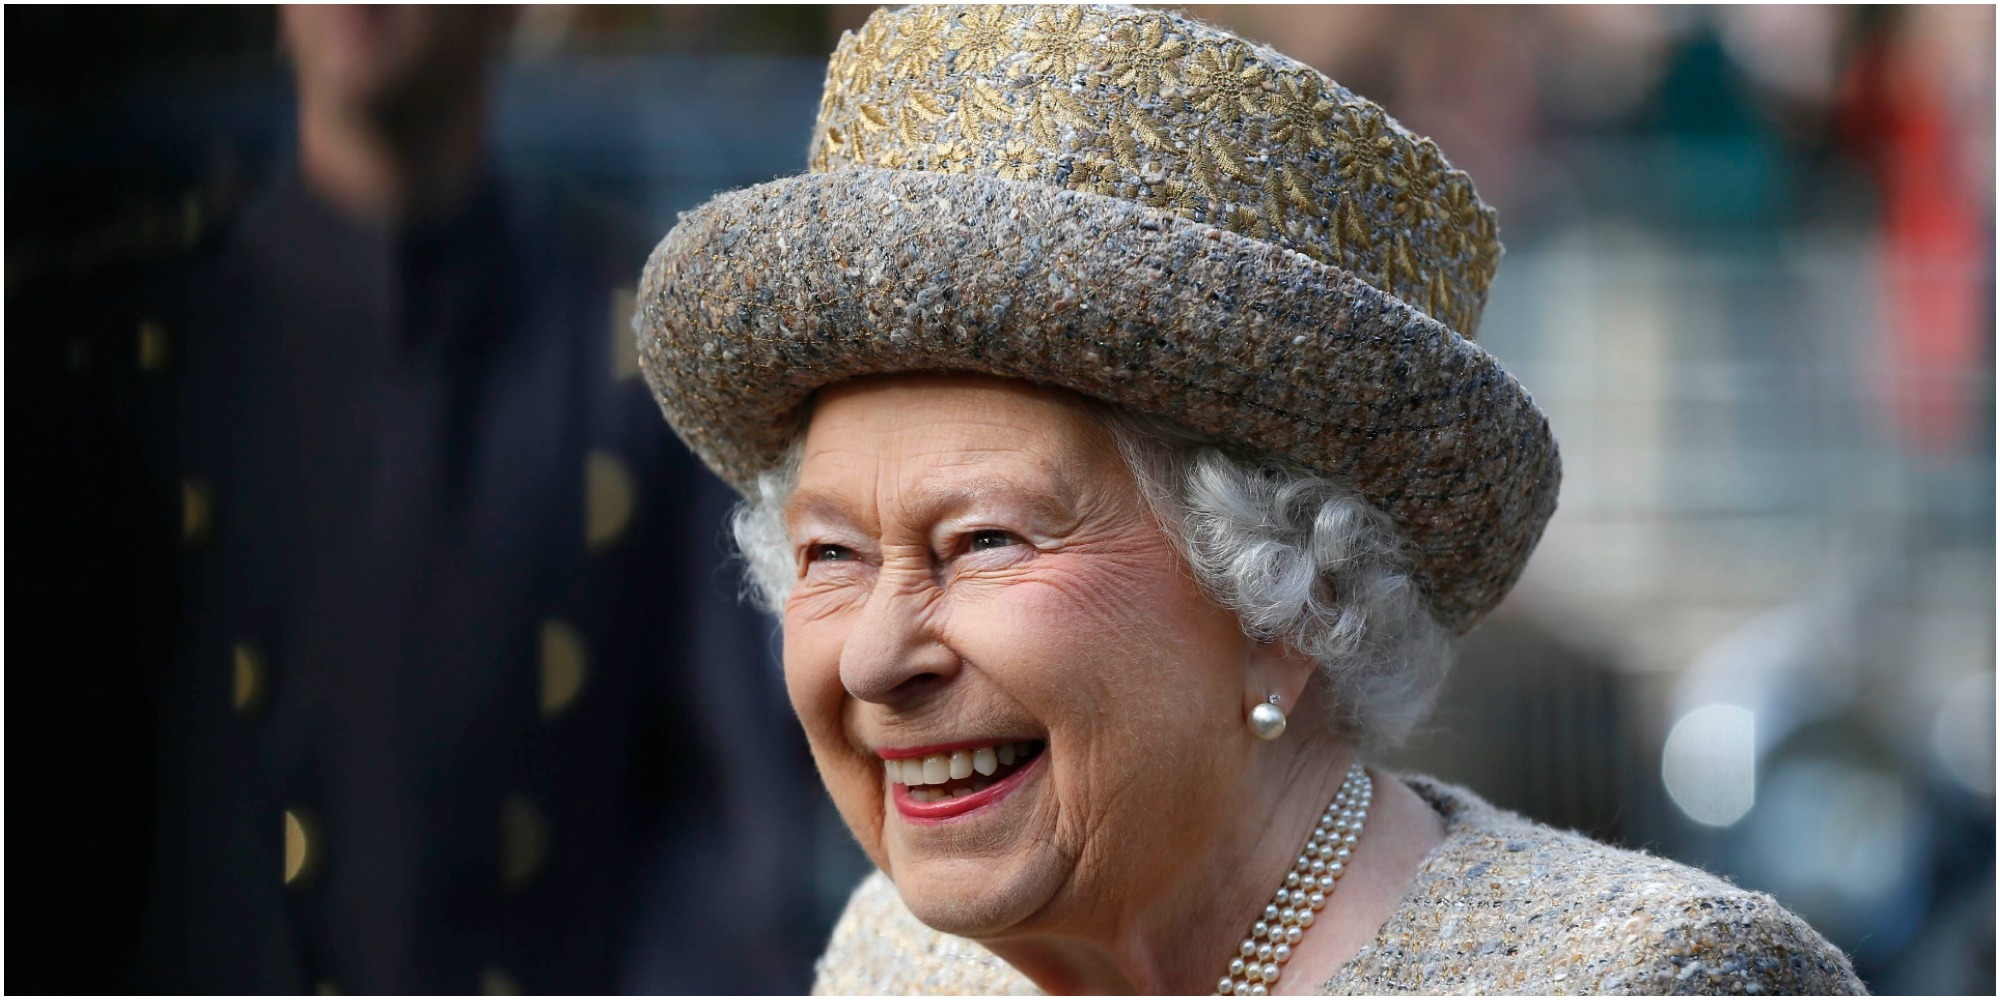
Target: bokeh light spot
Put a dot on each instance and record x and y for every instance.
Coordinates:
(1710, 763)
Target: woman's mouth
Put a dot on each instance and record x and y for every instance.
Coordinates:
(944, 783)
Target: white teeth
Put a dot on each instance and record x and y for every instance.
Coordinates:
(938, 768)
(961, 793)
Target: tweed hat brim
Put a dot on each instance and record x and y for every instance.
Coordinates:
(764, 295)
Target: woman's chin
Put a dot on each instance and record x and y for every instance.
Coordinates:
(983, 899)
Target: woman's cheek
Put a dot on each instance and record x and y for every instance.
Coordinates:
(813, 638)
(814, 632)
(1103, 596)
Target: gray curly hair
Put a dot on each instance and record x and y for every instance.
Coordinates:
(1298, 557)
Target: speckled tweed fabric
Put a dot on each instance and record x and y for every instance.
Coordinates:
(1140, 208)
(1504, 905)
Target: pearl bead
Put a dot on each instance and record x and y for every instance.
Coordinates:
(1242, 988)
(1261, 929)
(1291, 880)
(1292, 936)
(1264, 953)
(1271, 972)
(1326, 883)
(1283, 953)
(1226, 988)
(1253, 971)
(1306, 919)
(1316, 866)
(1267, 721)
(1288, 915)
(1235, 967)
(1248, 948)
(1258, 990)
(1336, 869)
(1270, 911)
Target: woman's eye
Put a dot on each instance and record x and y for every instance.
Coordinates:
(829, 553)
(983, 540)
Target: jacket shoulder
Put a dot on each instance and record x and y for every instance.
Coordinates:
(880, 948)
(1510, 906)
(1733, 941)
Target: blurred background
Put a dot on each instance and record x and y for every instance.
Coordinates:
(1749, 276)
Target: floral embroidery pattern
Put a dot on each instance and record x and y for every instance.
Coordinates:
(1020, 161)
(1303, 113)
(1150, 55)
(1146, 106)
(918, 44)
(1365, 147)
(1226, 81)
(985, 39)
(1057, 43)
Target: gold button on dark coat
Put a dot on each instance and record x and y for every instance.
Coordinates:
(524, 840)
(250, 679)
(608, 496)
(197, 511)
(565, 667)
(152, 347)
(624, 346)
(302, 855)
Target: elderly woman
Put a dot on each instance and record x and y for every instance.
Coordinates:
(1118, 456)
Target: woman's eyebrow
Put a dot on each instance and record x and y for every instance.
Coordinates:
(818, 504)
(935, 502)
(1054, 501)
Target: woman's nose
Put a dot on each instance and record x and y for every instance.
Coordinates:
(893, 652)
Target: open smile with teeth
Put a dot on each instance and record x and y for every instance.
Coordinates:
(960, 772)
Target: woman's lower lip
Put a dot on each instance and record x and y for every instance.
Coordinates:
(944, 809)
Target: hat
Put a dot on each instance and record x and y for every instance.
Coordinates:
(1142, 209)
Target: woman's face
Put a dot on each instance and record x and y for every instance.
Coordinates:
(980, 578)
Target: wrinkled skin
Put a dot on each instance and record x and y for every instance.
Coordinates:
(976, 562)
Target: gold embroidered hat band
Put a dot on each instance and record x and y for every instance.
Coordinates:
(1140, 208)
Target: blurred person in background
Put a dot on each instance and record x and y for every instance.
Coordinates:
(447, 692)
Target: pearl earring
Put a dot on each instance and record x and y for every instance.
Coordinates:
(1267, 720)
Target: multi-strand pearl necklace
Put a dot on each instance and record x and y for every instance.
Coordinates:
(1255, 968)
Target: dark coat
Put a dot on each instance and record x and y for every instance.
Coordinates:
(450, 686)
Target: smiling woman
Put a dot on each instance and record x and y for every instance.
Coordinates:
(960, 554)
(1120, 462)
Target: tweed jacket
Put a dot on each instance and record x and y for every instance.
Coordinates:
(1504, 905)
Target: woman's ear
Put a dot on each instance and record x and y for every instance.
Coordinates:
(1274, 667)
